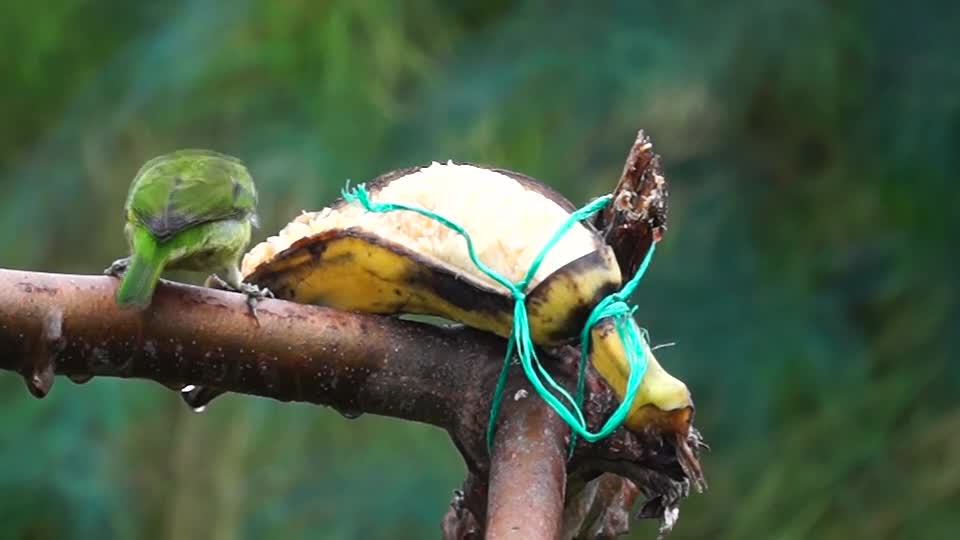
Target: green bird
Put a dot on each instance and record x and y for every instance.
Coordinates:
(187, 210)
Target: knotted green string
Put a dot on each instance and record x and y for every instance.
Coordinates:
(614, 305)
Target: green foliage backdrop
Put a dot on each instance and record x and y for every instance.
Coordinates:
(812, 149)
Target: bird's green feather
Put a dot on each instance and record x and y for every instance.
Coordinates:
(185, 188)
(146, 264)
(188, 210)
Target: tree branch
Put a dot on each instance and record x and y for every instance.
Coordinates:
(528, 470)
(69, 325)
(354, 363)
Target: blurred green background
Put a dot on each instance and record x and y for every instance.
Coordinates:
(812, 150)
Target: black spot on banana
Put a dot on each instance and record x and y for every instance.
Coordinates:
(401, 262)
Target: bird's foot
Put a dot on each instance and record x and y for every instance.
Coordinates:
(254, 294)
(117, 267)
(214, 281)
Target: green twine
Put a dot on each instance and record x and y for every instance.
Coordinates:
(614, 305)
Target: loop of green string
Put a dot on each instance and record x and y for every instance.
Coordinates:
(614, 305)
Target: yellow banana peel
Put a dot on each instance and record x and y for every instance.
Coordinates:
(400, 262)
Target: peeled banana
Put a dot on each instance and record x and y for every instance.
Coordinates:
(400, 262)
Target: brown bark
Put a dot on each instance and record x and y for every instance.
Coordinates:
(526, 467)
(637, 216)
(69, 325)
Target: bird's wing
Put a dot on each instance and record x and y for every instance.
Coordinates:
(181, 194)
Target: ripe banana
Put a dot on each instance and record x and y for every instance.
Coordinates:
(400, 262)
(662, 403)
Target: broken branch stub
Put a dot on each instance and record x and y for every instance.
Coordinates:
(637, 216)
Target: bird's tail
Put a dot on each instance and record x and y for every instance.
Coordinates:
(140, 279)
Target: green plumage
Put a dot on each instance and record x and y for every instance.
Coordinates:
(188, 210)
